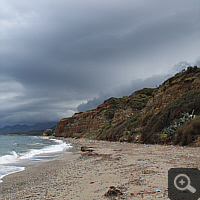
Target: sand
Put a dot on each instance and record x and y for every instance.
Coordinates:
(134, 171)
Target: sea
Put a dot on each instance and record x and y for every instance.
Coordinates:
(20, 152)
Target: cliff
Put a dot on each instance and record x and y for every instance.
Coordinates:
(173, 88)
(91, 124)
(138, 117)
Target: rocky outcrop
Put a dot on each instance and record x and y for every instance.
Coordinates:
(81, 124)
(60, 128)
(166, 95)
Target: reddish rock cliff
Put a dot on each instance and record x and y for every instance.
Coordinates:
(82, 123)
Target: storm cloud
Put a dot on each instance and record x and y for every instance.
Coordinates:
(60, 57)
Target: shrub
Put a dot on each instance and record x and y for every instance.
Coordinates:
(188, 133)
(146, 118)
(48, 132)
(107, 126)
(109, 114)
(115, 132)
(171, 130)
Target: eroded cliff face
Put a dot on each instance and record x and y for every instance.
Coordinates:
(81, 124)
(164, 96)
(113, 111)
(127, 117)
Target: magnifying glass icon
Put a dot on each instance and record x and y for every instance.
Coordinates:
(182, 182)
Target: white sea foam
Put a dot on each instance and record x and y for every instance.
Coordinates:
(61, 146)
(13, 157)
(5, 170)
(10, 158)
(8, 162)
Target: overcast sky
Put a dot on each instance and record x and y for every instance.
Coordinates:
(65, 56)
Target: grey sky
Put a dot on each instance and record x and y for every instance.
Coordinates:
(57, 55)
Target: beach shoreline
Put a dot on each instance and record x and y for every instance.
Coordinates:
(35, 152)
(134, 171)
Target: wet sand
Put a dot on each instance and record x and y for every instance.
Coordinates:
(135, 171)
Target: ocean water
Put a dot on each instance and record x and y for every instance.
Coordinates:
(19, 152)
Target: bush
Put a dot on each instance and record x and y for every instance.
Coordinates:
(48, 132)
(188, 133)
(113, 133)
(109, 113)
(171, 130)
(146, 118)
(107, 126)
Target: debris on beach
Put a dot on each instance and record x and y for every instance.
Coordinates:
(90, 154)
(88, 149)
(113, 191)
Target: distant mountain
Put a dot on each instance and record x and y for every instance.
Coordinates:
(25, 128)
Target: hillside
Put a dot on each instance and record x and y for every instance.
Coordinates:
(145, 116)
(36, 129)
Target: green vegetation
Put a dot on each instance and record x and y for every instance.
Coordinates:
(189, 133)
(122, 130)
(48, 132)
(171, 130)
(185, 104)
(139, 99)
(184, 76)
(110, 112)
(107, 126)
(146, 118)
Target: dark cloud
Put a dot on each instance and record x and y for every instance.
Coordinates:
(56, 55)
(137, 84)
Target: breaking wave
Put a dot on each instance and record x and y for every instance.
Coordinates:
(10, 162)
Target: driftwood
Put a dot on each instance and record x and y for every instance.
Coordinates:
(87, 149)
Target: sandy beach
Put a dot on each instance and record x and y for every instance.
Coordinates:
(111, 170)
